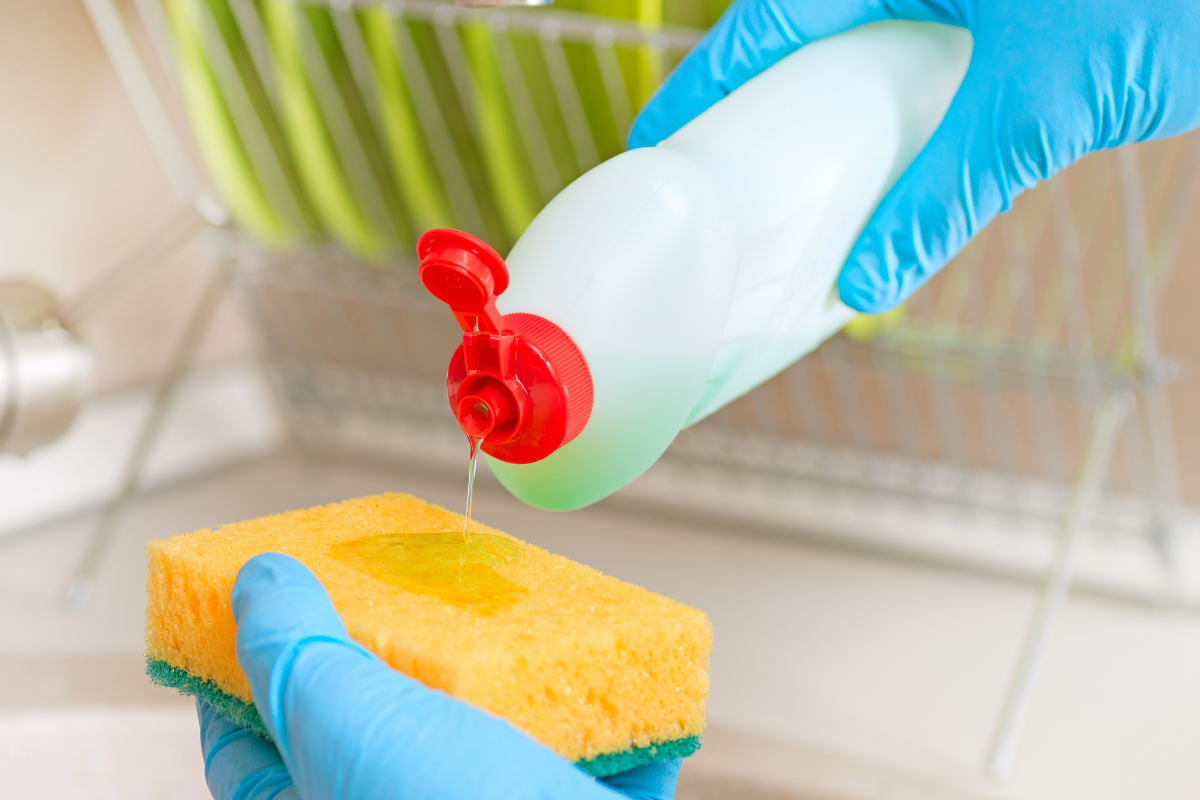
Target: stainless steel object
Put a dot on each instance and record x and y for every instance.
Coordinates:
(45, 371)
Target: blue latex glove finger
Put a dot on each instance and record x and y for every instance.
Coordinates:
(348, 726)
(751, 36)
(239, 764)
(1047, 84)
(651, 782)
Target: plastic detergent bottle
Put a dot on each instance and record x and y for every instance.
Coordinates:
(670, 280)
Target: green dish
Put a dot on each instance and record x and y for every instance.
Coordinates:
(411, 160)
(332, 136)
(246, 152)
(313, 158)
(505, 158)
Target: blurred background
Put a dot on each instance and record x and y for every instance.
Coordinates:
(951, 554)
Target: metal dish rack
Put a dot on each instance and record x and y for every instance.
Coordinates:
(1011, 417)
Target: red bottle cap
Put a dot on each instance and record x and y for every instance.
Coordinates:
(465, 274)
(518, 382)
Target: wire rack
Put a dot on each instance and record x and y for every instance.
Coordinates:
(1012, 405)
(973, 404)
(367, 124)
(979, 394)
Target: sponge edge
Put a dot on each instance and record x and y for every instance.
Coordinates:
(609, 675)
(245, 715)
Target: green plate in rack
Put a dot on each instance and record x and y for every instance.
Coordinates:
(505, 159)
(411, 161)
(235, 125)
(331, 132)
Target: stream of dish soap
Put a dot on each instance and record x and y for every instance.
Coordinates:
(470, 487)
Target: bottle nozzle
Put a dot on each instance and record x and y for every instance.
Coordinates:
(487, 410)
(504, 362)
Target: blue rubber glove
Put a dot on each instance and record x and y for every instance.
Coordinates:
(347, 726)
(1049, 82)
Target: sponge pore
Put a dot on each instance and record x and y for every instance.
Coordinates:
(607, 674)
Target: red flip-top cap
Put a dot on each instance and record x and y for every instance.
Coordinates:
(465, 274)
(518, 383)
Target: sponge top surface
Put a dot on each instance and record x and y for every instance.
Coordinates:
(582, 661)
(545, 602)
(362, 551)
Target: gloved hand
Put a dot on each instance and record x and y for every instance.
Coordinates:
(347, 726)
(1048, 83)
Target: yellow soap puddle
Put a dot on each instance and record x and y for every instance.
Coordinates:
(461, 573)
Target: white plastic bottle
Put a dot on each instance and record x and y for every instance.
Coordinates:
(688, 273)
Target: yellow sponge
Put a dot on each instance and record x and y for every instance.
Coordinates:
(605, 673)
